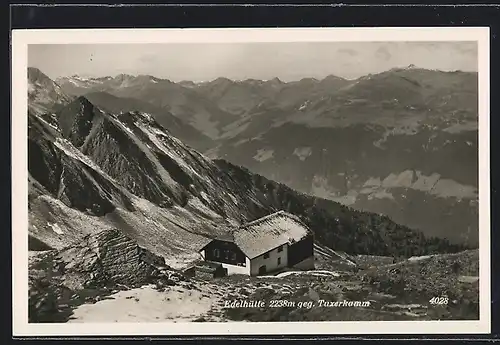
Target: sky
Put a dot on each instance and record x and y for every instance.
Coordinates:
(238, 61)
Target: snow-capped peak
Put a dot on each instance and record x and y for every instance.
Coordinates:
(81, 77)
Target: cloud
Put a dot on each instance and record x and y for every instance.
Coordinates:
(467, 48)
(383, 53)
(346, 51)
(148, 59)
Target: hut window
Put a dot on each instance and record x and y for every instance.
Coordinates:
(280, 248)
(233, 256)
(266, 256)
(216, 253)
(227, 254)
(279, 261)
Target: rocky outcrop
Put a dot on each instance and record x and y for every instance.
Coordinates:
(110, 258)
(77, 119)
(89, 271)
(44, 94)
(63, 172)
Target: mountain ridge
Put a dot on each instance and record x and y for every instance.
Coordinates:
(406, 67)
(44, 94)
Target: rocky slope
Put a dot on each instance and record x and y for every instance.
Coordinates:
(176, 126)
(95, 171)
(44, 95)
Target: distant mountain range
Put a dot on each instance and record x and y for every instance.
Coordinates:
(402, 143)
(187, 104)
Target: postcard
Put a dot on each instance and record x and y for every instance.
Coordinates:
(251, 181)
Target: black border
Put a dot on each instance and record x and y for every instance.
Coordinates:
(212, 16)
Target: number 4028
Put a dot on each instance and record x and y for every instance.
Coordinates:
(438, 300)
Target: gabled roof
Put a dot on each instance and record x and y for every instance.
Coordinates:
(264, 234)
(227, 237)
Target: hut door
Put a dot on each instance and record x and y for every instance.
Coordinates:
(262, 269)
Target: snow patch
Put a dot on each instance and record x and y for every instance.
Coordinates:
(302, 152)
(321, 188)
(382, 194)
(318, 273)
(55, 227)
(173, 153)
(233, 198)
(462, 127)
(425, 183)
(415, 180)
(418, 258)
(263, 155)
(73, 152)
(80, 78)
(403, 179)
(204, 196)
(148, 116)
(127, 129)
(147, 305)
(200, 207)
(304, 105)
(468, 279)
(373, 182)
(348, 199)
(31, 88)
(445, 188)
